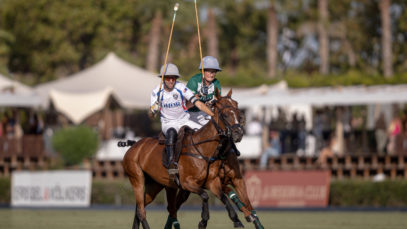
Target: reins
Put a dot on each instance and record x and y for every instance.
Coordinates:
(222, 134)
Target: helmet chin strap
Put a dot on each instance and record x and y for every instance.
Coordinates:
(167, 88)
(206, 83)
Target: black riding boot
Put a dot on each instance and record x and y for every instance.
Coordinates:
(171, 138)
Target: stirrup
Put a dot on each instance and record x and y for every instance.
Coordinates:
(172, 174)
(173, 171)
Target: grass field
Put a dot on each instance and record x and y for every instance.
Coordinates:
(99, 219)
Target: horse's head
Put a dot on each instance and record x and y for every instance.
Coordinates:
(229, 116)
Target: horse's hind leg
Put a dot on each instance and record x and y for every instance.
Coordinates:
(138, 187)
(136, 221)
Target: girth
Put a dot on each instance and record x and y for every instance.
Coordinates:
(217, 156)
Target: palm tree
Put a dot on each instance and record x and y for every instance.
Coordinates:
(154, 42)
(272, 36)
(323, 24)
(212, 34)
(384, 6)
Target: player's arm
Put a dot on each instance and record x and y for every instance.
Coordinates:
(195, 101)
(201, 106)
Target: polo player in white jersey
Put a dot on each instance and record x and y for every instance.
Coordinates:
(174, 113)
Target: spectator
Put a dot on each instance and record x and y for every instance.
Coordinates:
(282, 126)
(347, 130)
(302, 135)
(318, 126)
(1, 129)
(274, 149)
(10, 126)
(404, 133)
(254, 127)
(310, 145)
(393, 131)
(328, 151)
(294, 138)
(18, 135)
(380, 133)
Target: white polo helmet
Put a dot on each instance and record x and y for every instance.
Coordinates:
(210, 62)
(171, 70)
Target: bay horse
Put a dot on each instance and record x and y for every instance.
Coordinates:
(148, 176)
(230, 175)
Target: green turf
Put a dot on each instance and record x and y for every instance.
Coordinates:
(99, 219)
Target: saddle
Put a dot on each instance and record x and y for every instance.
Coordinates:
(182, 133)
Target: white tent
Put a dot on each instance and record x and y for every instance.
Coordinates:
(15, 94)
(9, 85)
(78, 106)
(131, 85)
(351, 95)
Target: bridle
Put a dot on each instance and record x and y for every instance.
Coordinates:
(223, 136)
(227, 131)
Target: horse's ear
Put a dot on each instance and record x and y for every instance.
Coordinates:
(230, 93)
(217, 94)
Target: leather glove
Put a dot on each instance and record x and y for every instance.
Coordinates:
(155, 108)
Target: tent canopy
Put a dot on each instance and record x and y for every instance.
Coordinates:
(78, 106)
(130, 84)
(15, 94)
(351, 95)
(12, 86)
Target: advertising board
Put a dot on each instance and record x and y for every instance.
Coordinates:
(288, 188)
(51, 188)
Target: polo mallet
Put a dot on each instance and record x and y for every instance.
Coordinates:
(199, 41)
(168, 49)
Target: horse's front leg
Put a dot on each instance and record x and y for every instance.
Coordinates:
(216, 188)
(190, 184)
(205, 209)
(245, 207)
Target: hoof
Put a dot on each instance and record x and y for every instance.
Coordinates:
(202, 225)
(257, 224)
(250, 218)
(176, 225)
(238, 225)
(172, 222)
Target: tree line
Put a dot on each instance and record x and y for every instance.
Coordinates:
(256, 41)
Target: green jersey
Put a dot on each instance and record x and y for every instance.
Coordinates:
(195, 85)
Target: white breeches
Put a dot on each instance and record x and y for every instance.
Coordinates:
(199, 117)
(177, 124)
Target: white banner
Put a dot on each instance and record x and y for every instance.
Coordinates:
(51, 188)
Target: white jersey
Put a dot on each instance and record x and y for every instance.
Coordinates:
(172, 104)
